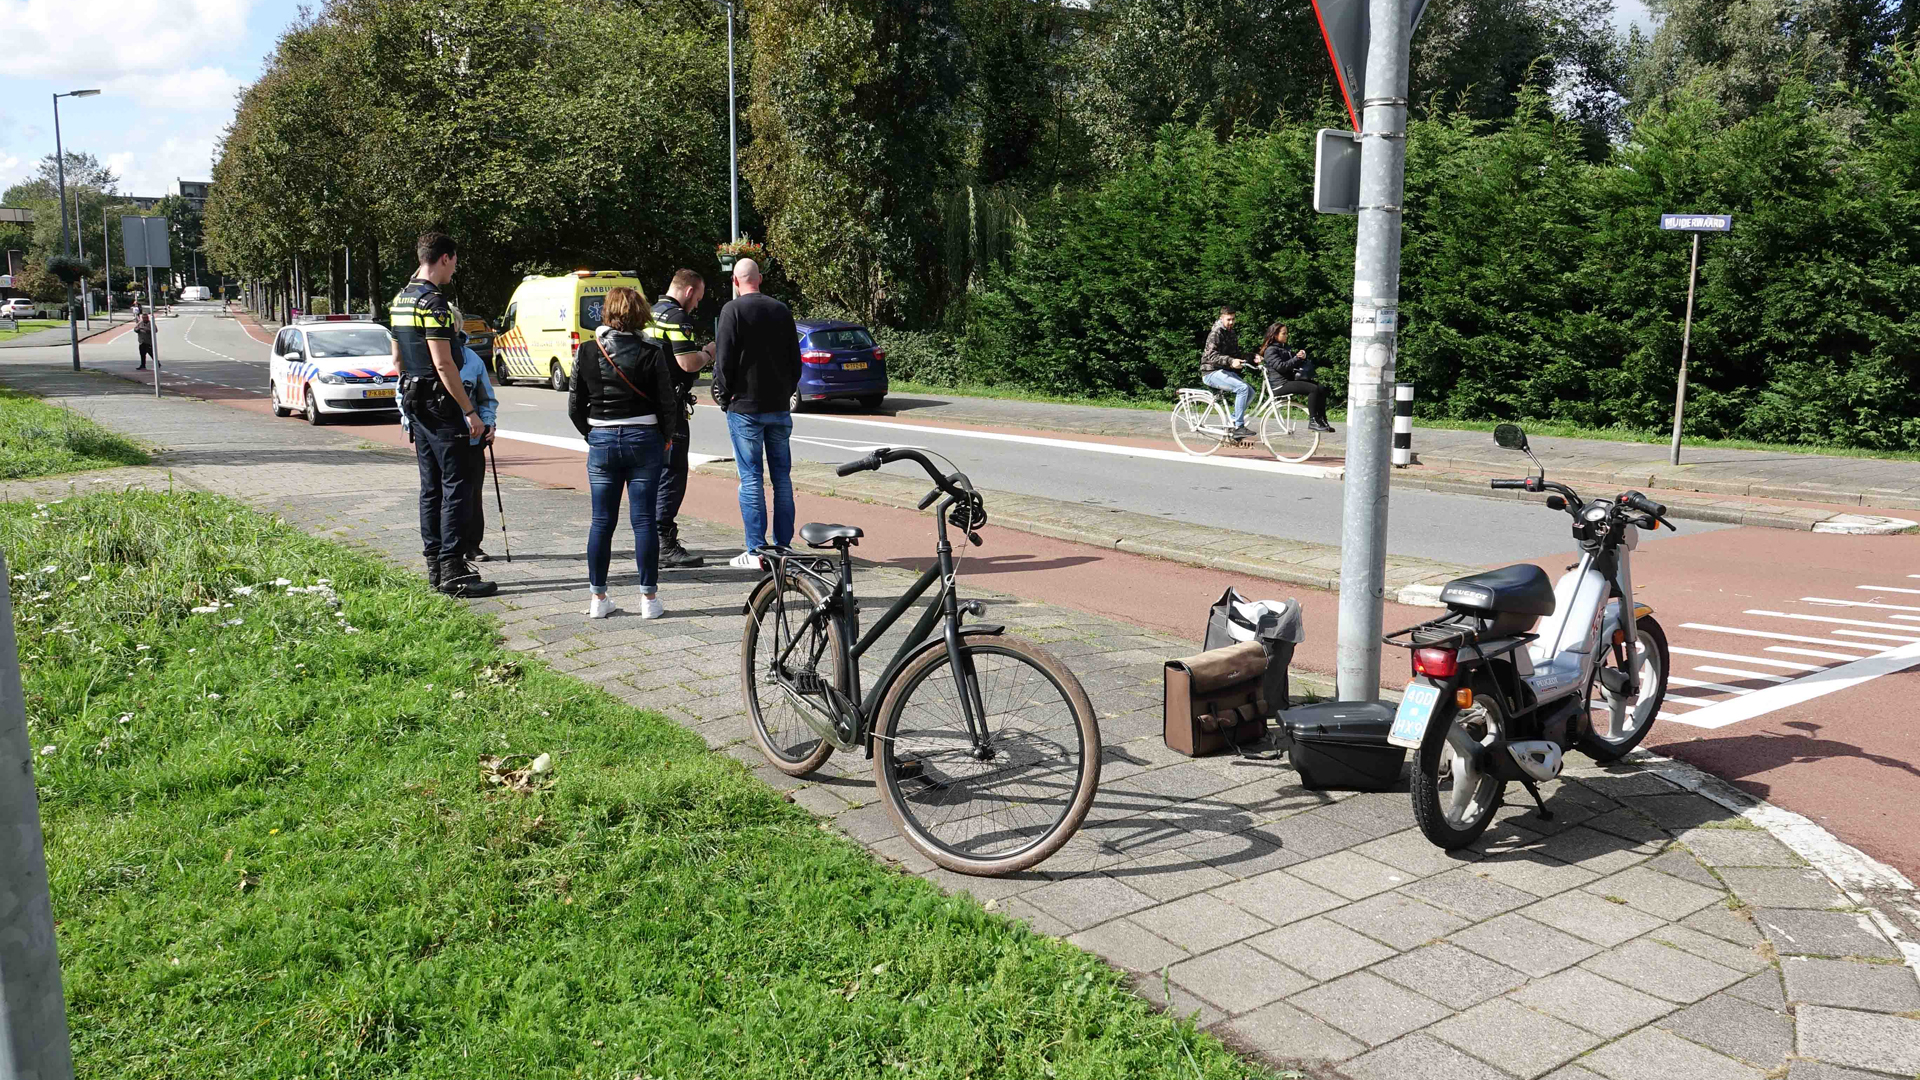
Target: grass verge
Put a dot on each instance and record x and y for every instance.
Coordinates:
(1534, 427)
(30, 326)
(38, 439)
(273, 855)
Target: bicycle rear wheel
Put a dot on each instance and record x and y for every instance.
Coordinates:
(1199, 428)
(776, 707)
(1286, 432)
(1007, 800)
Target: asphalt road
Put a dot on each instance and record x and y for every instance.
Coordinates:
(1244, 491)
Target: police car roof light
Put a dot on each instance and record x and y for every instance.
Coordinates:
(332, 318)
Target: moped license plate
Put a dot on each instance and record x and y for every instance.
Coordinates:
(1410, 721)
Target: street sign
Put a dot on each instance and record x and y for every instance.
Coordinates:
(1336, 171)
(6, 281)
(144, 241)
(1345, 27)
(1696, 222)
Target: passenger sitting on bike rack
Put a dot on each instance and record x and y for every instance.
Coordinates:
(1218, 362)
(1292, 373)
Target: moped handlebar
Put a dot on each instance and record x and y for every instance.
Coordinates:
(1509, 485)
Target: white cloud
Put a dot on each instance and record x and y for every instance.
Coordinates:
(125, 36)
(201, 90)
(152, 169)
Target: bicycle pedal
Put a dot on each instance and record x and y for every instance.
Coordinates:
(809, 682)
(908, 768)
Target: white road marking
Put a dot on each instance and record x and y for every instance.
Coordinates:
(1788, 664)
(1880, 637)
(1830, 620)
(1856, 603)
(1718, 688)
(1888, 588)
(1739, 674)
(1773, 636)
(1813, 652)
(561, 442)
(1695, 702)
(1807, 688)
(1325, 472)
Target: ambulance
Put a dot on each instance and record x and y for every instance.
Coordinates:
(547, 319)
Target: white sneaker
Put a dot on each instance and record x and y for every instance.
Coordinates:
(746, 560)
(651, 607)
(601, 607)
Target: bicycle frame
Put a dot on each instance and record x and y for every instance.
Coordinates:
(843, 606)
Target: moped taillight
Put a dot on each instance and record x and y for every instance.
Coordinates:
(1436, 663)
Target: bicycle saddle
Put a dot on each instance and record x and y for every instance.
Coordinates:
(818, 535)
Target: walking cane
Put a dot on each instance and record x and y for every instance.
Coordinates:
(498, 504)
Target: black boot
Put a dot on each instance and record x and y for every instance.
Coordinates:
(672, 554)
(433, 574)
(459, 578)
(479, 555)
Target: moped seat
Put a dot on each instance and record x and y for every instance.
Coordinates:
(1516, 590)
(818, 535)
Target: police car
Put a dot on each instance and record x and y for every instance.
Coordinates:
(326, 365)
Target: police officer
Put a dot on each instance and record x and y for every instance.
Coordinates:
(672, 326)
(443, 416)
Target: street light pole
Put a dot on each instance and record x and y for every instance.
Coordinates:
(733, 139)
(66, 242)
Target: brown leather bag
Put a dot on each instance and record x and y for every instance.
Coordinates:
(1217, 699)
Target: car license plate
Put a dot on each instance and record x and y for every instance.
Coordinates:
(1416, 708)
(860, 365)
(379, 393)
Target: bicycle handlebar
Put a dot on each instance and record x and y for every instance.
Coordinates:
(956, 484)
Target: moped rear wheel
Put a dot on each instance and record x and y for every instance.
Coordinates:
(1616, 723)
(1454, 790)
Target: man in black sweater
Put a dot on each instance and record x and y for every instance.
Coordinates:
(756, 369)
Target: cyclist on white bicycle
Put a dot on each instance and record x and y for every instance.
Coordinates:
(1291, 372)
(1219, 360)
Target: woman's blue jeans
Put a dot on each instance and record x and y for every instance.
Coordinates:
(630, 458)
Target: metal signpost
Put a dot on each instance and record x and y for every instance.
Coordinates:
(1695, 224)
(144, 240)
(33, 1012)
(1368, 40)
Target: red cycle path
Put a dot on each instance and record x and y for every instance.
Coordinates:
(1850, 761)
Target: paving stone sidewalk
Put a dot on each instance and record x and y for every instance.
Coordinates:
(1643, 932)
(1880, 482)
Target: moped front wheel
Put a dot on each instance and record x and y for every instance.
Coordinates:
(1455, 792)
(1616, 720)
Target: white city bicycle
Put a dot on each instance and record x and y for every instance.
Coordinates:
(1203, 423)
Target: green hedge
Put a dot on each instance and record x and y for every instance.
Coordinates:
(1536, 282)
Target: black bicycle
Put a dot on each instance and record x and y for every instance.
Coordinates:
(985, 747)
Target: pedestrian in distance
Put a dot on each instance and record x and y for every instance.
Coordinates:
(1220, 359)
(479, 387)
(673, 327)
(756, 369)
(443, 416)
(623, 402)
(1290, 371)
(143, 335)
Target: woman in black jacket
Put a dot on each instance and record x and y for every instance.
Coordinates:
(1292, 373)
(622, 401)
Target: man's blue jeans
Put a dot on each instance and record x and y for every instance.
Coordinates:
(1242, 393)
(759, 437)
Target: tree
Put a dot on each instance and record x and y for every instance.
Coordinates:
(853, 114)
(1741, 52)
(1477, 57)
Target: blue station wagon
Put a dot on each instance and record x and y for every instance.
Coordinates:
(838, 361)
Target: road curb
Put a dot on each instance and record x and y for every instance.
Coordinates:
(1309, 565)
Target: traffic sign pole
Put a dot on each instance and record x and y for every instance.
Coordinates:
(1375, 336)
(1686, 346)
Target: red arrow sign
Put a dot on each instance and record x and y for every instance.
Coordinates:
(1344, 25)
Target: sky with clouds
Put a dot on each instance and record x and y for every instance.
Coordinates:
(168, 71)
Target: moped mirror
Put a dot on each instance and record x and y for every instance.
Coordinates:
(1510, 437)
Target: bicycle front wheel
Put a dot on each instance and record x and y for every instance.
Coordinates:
(789, 653)
(1001, 796)
(1287, 433)
(1199, 428)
